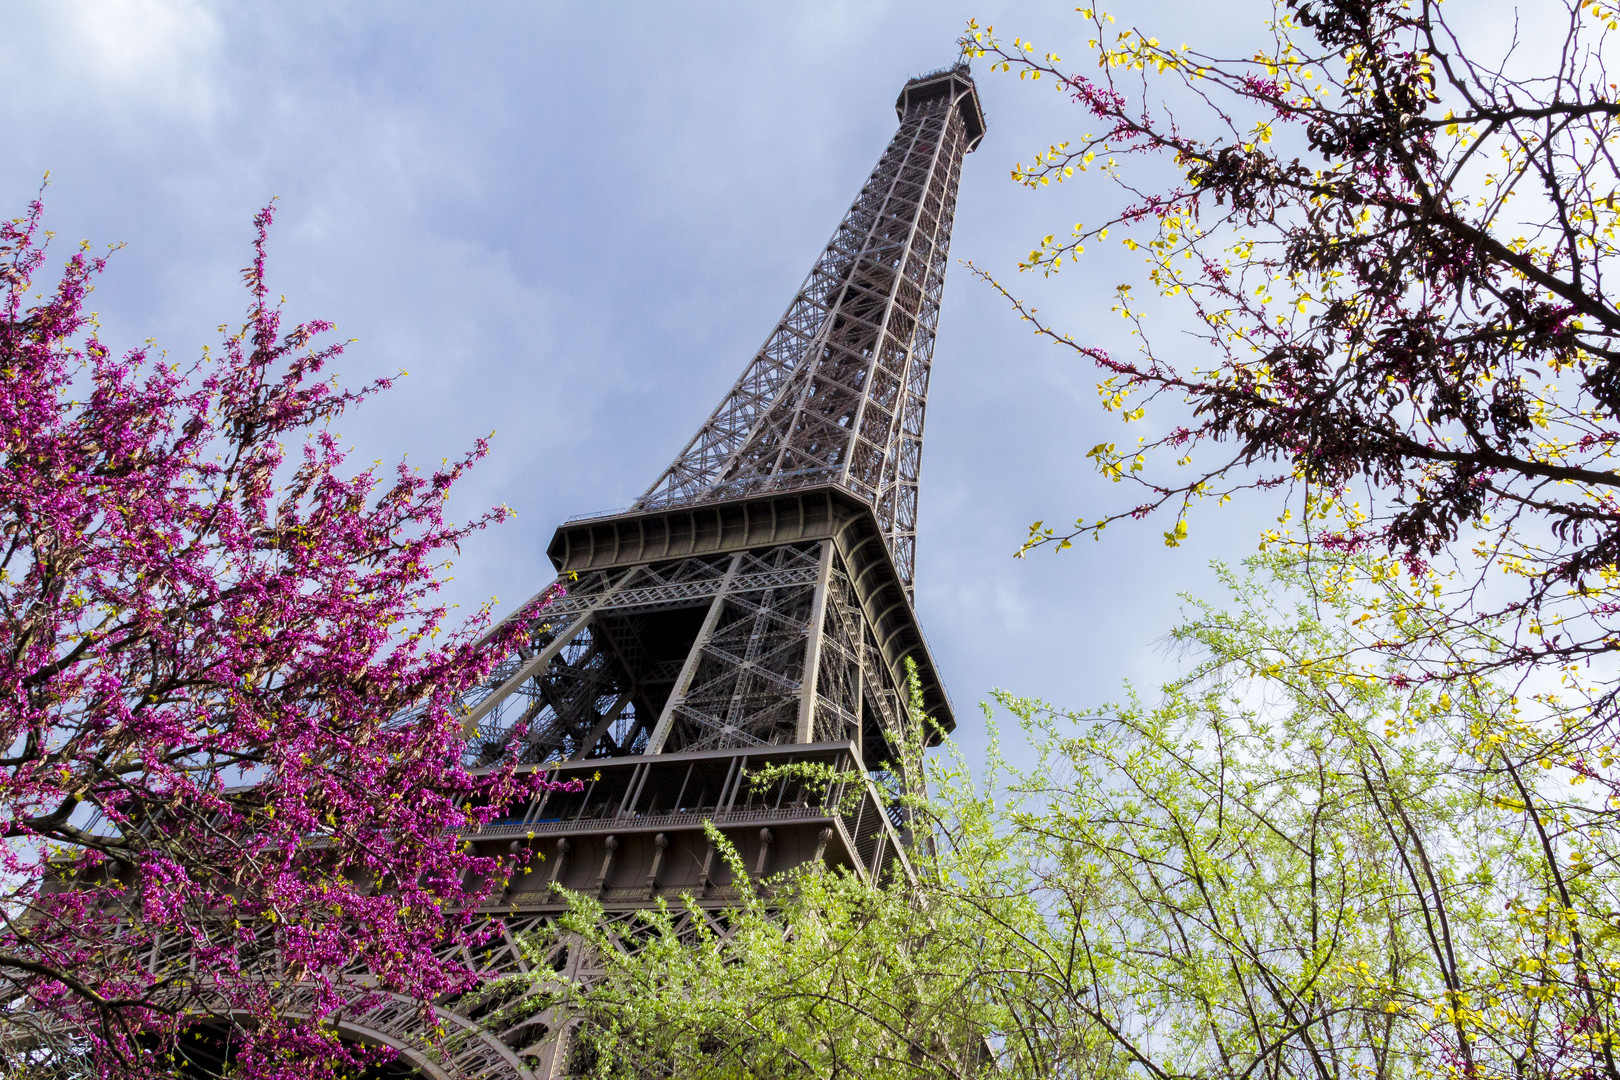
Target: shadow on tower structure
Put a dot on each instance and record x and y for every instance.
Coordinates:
(752, 609)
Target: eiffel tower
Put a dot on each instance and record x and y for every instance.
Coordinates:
(752, 609)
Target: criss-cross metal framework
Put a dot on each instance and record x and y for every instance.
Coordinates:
(752, 610)
(838, 391)
(759, 592)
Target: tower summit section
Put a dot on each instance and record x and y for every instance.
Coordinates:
(837, 393)
(760, 592)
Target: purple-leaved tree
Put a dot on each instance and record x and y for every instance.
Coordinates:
(229, 768)
(1391, 233)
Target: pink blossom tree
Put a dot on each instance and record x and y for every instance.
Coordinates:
(230, 783)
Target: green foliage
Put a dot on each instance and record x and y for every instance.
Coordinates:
(1290, 866)
(818, 973)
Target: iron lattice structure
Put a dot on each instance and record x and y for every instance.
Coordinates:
(759, 593)
(838, 392)
(752, 609)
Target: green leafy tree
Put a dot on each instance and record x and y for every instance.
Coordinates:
(823, 975)
(814, 972)
(1291, 866)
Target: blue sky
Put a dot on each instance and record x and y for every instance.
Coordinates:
(574, 223)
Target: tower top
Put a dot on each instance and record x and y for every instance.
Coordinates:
(837, 394)
(954, 82)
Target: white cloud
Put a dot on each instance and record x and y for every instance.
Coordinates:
(124, 54)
